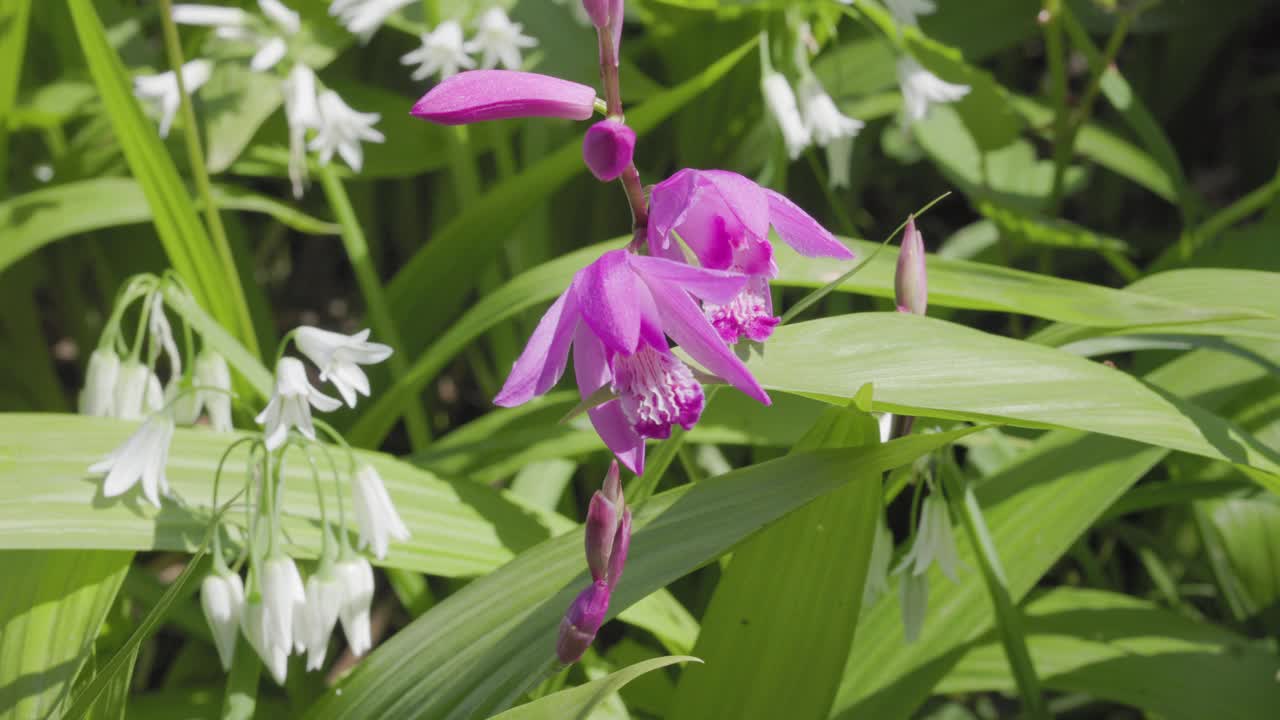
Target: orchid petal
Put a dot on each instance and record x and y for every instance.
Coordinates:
(686, 324)
(667, 205)
(715, 286)
(802, 232)
(542, 363)
(479, 95)
(607, 291)
(591, 367)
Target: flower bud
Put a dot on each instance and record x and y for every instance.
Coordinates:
(607, 149)
(598, 11)
(621, 544)
(911, 283)
(100, 383)
(581, 623)
(479, 95)
(602, 527)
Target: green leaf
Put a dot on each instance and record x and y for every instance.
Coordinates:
(475, 652)
(1069, 476)
(1248, 528)
(1114, 647)
(577, 703)
(782, 619)
(922, 366)
(14, 18)
(432, 286)
(50, 612)
(459, 529)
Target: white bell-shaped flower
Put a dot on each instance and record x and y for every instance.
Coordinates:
(302, 112)
(222, 599)
(342, 130)
(213, 389)
(934, 541)
(356, 575)
(442, 51)
(339, 358)
(290, 406)
(283, 595)
(98, 395)
(236, 24)
(256, 624)
(781, 102)
(141, 459)
(822, 119)
(362, 18)
(137, 392)
(921, 88)
(160, 92)
(499, 41)
(914, 600)
(325, 596)
(376, 515)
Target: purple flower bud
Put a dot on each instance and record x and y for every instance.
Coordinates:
(602, 526)
(621, 544)
(607, 149)
(581, 623)
(598, 11)
(479, 95)
(911, 283)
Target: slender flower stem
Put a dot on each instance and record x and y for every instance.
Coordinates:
(195, 156)
(1062, 136)
(374, 297)
(613, 106)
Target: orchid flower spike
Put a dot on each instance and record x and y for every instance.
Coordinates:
(499, 41)
(608, 149)
(339, 358)
(724, 218)
(290, 406)
(615, 314)
(481, 95)
(921, 88)
(442, 51)
(911, 281)
(581, 622)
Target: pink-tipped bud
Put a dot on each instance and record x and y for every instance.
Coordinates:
(581, 623)
(608, 148)
(621, 544)
(911, 283)
(598, 11)
(479, 95)
(602, 527)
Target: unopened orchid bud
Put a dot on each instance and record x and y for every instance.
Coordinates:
(598, 11)
(911, 283)
(581, 623)
(607, 149)
(479, 95)
(621, 544)
(606, 509)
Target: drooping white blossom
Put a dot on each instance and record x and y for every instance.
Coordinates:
(376, 516)
(325, 595)
(290, 406)
(98, 395)
(137, 392)
(213, 389)
(442, 52)
(362, 18)
(342, 130)
(339, 358)
(229, 23)
(302, 113)
(921, 88)
(499, 41)
(933, 543)
(781, 102)
(222, 599)
(141, 459)
(160, 92)
(283, 595)
(256, 624)
(822, 119)
(356, 576)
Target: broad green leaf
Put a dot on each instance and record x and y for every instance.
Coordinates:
(1249, 528)
(430, 289)
(459, 529)
(781, 622)
(1069, 476)
(578, 702)
(477, 651)
(50, 612)
(43, 216)
(922, 366)
(1113, 647)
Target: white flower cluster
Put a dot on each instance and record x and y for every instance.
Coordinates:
(276, 611)
(444, 52)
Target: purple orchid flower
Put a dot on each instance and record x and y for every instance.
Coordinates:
(724, 218)
(617, 315)
(479, 95)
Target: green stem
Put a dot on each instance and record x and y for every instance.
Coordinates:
(1062, 136)
(374, 297)
(200, 173)
(1008, 616)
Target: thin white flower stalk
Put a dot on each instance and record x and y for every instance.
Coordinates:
(160, 92)
(376, 516)
(270, 38)
(290, 405)
(356, 575)
(780, 99)
(362, 18)
(922, 89)
(499, 41)
(442, 53)
(339, 358)
(140, 460)
(342, 129)
(222, 599)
